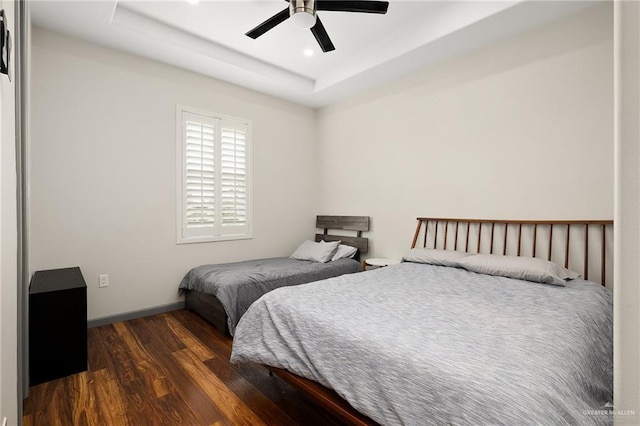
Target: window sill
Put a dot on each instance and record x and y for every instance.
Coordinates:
(194, 240)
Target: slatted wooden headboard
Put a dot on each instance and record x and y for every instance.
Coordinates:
(523, 238)
(358, 224)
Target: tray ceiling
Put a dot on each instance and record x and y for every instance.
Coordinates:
(208, 37)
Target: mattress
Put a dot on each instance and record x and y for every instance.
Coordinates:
(237, 285)
(418, 344)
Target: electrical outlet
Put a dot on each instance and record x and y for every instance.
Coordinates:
(103, 280)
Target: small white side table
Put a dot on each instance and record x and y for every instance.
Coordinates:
(379, 262)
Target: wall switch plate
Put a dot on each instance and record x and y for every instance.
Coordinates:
(4, 422)
(103, 280)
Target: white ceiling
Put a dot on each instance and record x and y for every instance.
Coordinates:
(208, 38)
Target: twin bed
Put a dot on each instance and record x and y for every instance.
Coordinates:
(425, 343)
(222, 293)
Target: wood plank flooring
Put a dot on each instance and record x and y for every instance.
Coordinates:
(168, 369)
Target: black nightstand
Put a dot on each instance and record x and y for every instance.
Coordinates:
(57, 324)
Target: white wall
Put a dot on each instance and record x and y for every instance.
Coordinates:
(103, 184)
(9, 238)
(522, 129)
(627, 269)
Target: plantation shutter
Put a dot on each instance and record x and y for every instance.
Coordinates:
(233, 177)
(199, 174)
(215, 178)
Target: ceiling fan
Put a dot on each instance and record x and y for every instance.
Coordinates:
(303, 13)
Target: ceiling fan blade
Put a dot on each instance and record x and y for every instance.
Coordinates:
(322, 37)
(353, 6)
(276, 19)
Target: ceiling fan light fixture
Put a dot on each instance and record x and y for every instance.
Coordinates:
(303, 13)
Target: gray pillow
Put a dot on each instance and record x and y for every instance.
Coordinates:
(344, 252)
(435, 257)
(317, 252)
(522, 268)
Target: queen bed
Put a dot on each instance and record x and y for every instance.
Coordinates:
(222, 293)
(450, 338)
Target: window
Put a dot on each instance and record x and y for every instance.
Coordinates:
(214, 184)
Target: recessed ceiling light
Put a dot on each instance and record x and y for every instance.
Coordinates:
(308, 52)
(193, 1)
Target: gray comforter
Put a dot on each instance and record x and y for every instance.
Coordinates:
(417, 344)
(237, 285)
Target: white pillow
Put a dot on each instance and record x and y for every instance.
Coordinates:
(317, 252)
(344, 252)
(435, 257)
(522, 268)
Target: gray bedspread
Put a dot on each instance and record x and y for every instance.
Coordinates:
(416, 344)
(237, 285)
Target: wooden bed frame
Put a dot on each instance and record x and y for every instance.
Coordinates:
(541, 233)
(210, 308)
(512, 236)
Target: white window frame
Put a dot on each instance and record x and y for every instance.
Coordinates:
(214, 233)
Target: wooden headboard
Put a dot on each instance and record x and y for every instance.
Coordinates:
(358, 224)
(534, 238)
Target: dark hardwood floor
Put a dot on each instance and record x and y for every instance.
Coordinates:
(168, 369)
